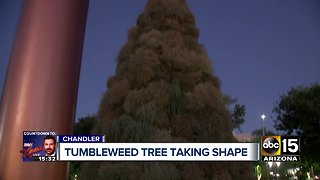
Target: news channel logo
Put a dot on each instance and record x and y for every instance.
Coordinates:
(280, 148)
(39, 146)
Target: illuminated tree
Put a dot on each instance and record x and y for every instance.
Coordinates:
(164, 90)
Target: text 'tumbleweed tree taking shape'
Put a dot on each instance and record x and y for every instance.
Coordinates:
(164, 90)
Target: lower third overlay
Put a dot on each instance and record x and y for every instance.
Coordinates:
(47, 146)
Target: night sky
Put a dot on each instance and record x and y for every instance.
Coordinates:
(259, 49)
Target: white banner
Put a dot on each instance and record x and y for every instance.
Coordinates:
(158, 152)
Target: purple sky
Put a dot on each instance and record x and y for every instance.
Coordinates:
(259, 49)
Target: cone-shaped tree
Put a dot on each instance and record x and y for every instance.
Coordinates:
(164, 90)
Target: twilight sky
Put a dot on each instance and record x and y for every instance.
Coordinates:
(259, 49)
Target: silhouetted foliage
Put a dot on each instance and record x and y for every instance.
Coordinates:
(164, 91)
(237, 116)
(83, 126)
(298, 112)
(237, 111)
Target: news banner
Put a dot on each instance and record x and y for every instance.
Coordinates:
(47, 146)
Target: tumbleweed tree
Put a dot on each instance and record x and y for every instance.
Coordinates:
(164, 90)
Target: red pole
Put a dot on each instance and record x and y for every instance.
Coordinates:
(41, 86)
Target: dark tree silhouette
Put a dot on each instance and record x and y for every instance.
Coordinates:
(237, 111)
(83, 126)
(298, 112)
(164, 90)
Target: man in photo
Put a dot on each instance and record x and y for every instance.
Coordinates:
(49, 145)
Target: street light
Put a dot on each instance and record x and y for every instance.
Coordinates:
(278, 164)
(262, 117)
(270, 165)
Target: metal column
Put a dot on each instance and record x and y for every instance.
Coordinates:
(41, 85)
